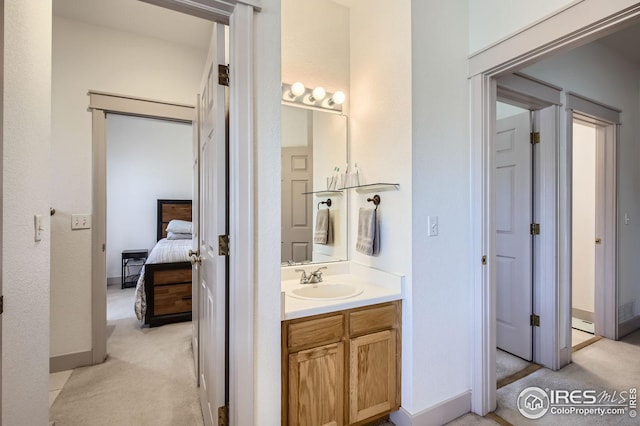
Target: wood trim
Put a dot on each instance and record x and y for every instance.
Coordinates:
(586, 343)
(242, 214)
(99, 239)
(592, 108)
(518, 375)
(70, 361)
(439, 414)
(528, 92)
(128, 105)
(576, 24)
(629, 326)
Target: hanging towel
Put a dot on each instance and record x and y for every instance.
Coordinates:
(368, 239)
(321, 236)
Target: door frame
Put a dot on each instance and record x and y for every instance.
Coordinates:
(538, 96)
(239, 16)
(100, 104)
(575, 24)
(606, 119)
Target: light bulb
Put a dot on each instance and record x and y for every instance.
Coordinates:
(297, 89)
(337, 98)
(318, 94)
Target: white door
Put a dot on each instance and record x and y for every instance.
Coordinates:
(297, 178)
(195, 242)
(212, 214)
(513, 213)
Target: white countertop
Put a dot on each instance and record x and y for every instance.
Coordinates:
(377, 286)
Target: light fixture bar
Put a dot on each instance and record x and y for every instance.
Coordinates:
(330, 101)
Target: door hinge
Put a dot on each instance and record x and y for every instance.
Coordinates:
(223, 75)
(223, 415)
(484, 260)
(535, 138)
(535, 229)
(223, 245)
(534, 320)
(1, 304)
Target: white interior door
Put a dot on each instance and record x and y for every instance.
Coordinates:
(513, 213)
(297, 228)
(212, 214)
(195, 242)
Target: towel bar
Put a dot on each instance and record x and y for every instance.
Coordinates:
(375, 200)
(328, 203)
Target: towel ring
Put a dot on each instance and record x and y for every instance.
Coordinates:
(375, 200)
(328, 203)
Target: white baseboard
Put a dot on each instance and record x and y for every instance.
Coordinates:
(629, 326)
(70, 361)
(437, 415)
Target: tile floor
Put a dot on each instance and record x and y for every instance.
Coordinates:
(56, 382)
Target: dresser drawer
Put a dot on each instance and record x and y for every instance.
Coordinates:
(170, 276)
(316, 332)
(171, 299)
(368, 320)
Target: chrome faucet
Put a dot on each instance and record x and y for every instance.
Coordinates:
(313, 277)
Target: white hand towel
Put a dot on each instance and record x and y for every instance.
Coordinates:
(321, 235)
(368, 239)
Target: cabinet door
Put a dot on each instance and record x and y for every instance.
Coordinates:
(372, 378)
(316, 386)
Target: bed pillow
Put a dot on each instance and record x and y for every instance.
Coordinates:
(180, 226)
(178, 236)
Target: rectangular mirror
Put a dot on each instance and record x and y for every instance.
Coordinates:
(314, 144)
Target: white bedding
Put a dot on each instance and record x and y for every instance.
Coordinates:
(165, 251)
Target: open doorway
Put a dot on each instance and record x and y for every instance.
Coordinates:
(583, 236)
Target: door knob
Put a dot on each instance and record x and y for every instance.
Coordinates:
(598, 241)
(195, 259)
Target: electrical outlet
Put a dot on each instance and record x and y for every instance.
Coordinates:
(80, 221)
(432, 225)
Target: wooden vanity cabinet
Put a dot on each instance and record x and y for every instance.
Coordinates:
(341, 368)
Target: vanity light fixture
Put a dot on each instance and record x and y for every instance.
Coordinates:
(297, 93)
(337, 98)
(297, 89)
(318, 94)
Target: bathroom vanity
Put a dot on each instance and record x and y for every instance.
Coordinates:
(341, 355)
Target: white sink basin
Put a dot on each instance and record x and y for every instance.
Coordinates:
(323, 291)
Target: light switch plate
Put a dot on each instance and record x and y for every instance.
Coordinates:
(432, 225)
(80, 221)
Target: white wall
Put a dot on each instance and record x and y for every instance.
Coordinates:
(87, 57)
(506, 110)
(315, 45)
(147, 159)
(600, 74)
(441, 292)
(583, 218)
(492, 20)
(380, 131)
(26, 138)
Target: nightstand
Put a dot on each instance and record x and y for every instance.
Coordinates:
(132, 263)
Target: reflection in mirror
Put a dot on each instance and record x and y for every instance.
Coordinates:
(314, 145)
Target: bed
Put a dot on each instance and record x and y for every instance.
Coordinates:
(163, 291)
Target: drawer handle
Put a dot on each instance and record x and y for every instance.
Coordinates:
(187, 297)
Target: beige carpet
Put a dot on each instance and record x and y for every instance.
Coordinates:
(148, 378)
(604, 365)
(507, 364)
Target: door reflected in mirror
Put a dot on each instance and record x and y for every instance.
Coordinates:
(314, 148)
